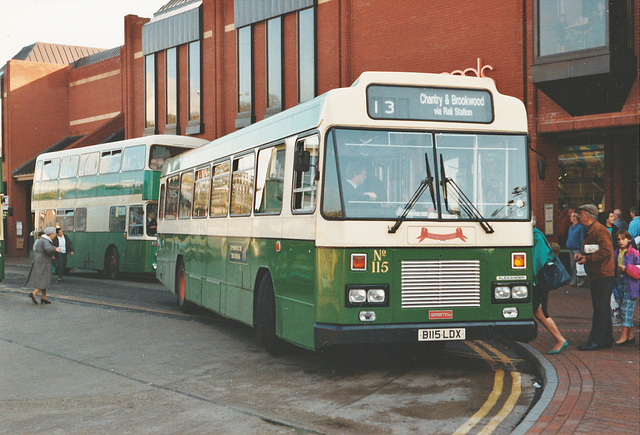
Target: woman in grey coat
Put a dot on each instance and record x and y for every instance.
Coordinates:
(40, 273)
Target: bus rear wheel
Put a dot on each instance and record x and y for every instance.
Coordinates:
(181, 288)
(111, 263)
(265, 319)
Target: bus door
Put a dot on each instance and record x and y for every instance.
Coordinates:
(135, 251)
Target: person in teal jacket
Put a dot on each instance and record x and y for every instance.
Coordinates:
(542, 254)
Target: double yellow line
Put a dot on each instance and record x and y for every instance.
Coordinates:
(496, 392)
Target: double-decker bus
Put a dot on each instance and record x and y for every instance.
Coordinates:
(393, 211)
(105, 198)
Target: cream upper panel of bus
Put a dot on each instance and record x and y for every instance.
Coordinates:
(348, 106)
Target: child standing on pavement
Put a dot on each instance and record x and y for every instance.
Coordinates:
(628, 284)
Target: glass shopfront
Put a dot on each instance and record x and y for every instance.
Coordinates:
(581, 176)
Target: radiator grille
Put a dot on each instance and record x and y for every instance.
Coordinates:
(440, 283)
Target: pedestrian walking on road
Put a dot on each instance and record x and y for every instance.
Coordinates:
(628, 284)
(542, 254)
(63, 242)
(597, 257)
(39, 276)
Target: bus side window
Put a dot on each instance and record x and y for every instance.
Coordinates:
(304, 183)
(136, 220)
(242, 181)
(201, 192)
(41, 221)
(133, 158)
(171, 207)
(65, 219)
(49, 219)
(81, 219)
(117, 216)
(89, 164)
(69, 167)
(110, 162)
(270, 180)
(51, 169)
(220, 190)
(186, 195)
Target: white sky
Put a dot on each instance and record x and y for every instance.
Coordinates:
(86, 23)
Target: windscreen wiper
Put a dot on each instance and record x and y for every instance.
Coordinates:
(465, 203)
(427, 182)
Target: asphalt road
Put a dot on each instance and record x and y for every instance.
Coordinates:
(118, 357)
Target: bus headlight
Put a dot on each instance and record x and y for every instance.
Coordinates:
(510, 292)
(520, 292)
(367, 295)
(376, 296)
(357, 296)
(502, 292)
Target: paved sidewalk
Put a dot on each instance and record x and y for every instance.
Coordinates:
(595, 392)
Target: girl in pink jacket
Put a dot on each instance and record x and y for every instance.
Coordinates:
(628, 284)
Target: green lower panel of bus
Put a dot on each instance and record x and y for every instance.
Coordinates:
(391, 296)
(100, 251)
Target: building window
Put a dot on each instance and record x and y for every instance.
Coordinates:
(584, 55)
(274, 64)
(195, 87)
(172, 85)
(150, 91)
(306, 55)
(245, 74)
(571, 25)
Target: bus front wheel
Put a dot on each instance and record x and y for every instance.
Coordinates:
(265, 320)
(111, 263)
(181, 288)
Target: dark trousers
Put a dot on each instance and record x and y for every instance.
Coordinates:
(601, 329)
(61, 264)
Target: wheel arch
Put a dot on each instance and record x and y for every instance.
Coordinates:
(262, 272)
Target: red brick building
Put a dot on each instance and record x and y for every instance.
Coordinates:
(206, 67)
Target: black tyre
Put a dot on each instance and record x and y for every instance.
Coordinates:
(181, 288)
(111, 263)
(265, 316)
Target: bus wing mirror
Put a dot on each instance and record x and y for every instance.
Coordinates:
(301, 161)
(542, 168)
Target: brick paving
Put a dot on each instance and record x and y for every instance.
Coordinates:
(597, 392)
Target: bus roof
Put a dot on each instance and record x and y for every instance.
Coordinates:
(158, 139)
(331, 109)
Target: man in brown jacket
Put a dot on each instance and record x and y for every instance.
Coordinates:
(597, 257)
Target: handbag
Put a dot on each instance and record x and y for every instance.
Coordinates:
(553, 275)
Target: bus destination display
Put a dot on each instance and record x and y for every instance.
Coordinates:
(429, 104)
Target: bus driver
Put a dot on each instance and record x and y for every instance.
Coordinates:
(352, 187)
